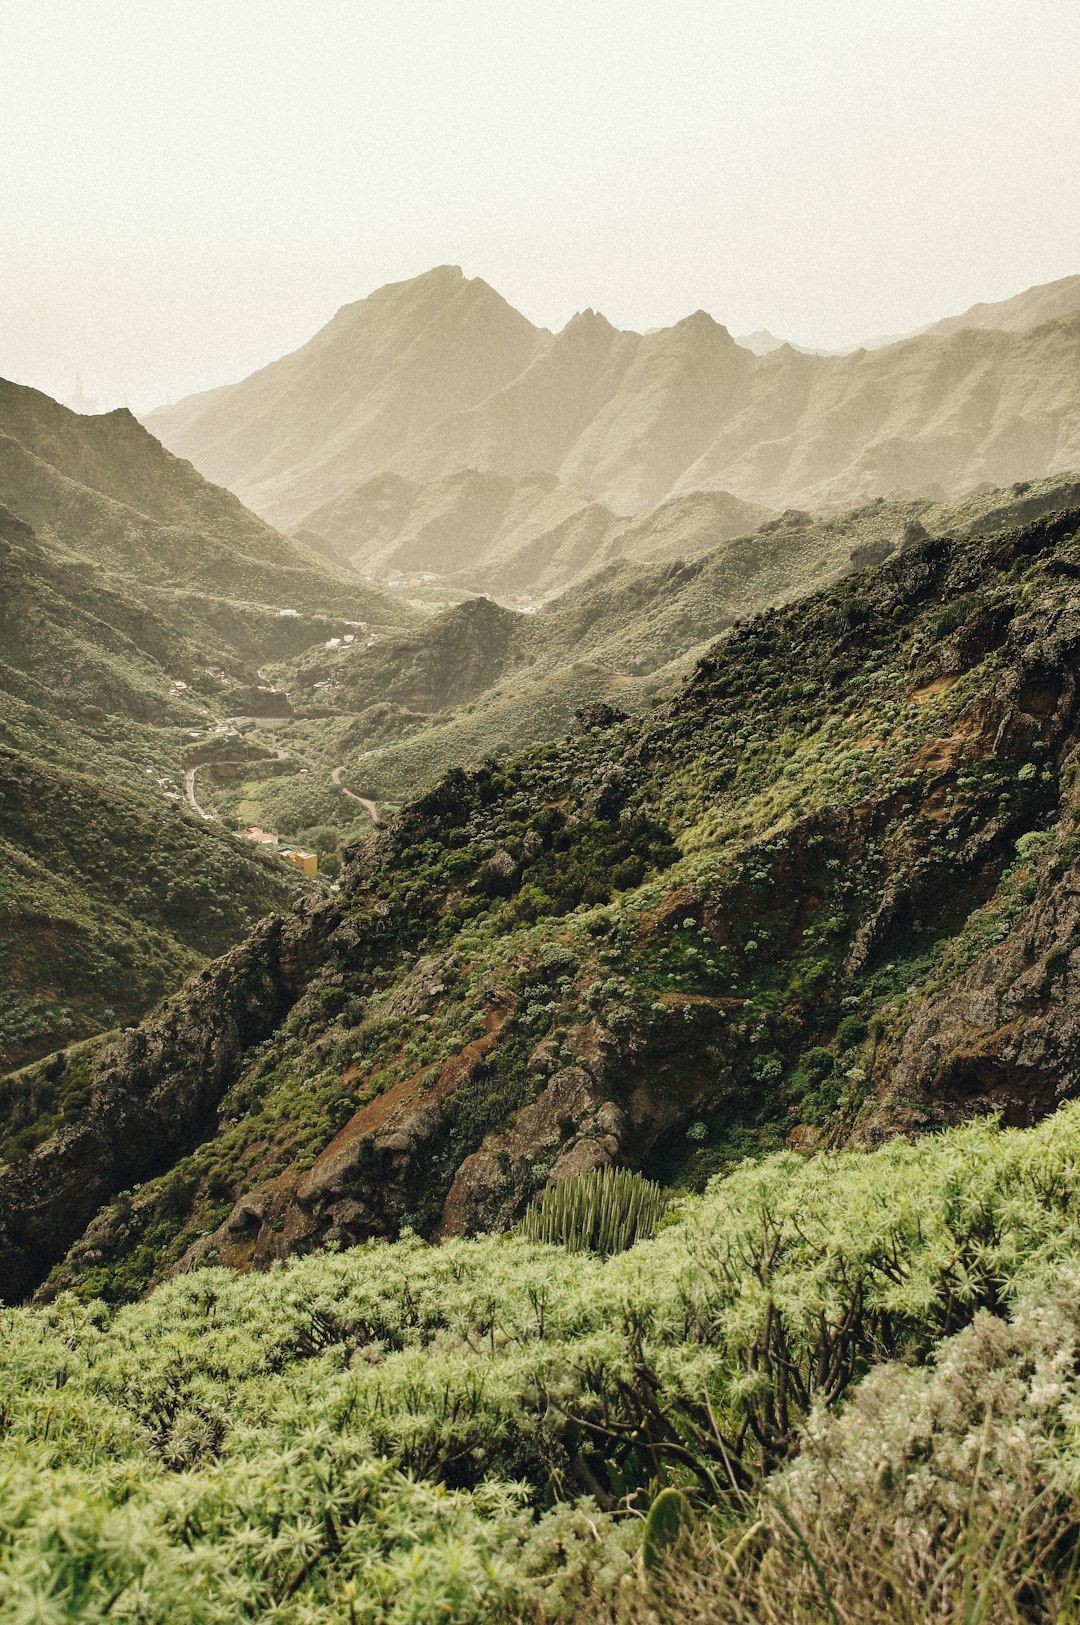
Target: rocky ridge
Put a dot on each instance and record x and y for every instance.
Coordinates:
(431, 377)
(822, 908)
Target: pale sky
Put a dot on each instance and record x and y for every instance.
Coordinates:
(189, 188)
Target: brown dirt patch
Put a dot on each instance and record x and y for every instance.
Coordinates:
(679, 905)
(930, 691)
(449, 1073)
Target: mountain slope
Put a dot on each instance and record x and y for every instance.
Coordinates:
(468, 525)
(430, 377)
(828, 892)
(375, 377)
(138, 602)
(527, 537)
(1031, 308)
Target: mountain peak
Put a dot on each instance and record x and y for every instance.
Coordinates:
(761, 342)
(699, 324)
(588, 320)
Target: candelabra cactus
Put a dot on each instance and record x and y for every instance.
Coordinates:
(603, 1211)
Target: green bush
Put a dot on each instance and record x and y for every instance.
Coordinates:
(407, 1433)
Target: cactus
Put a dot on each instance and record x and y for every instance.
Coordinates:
(669, 1521)
(603, 1211)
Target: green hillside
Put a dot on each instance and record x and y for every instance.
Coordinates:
(481, 680)
(138, 604)
(782, 908)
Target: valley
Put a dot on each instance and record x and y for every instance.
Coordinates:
(137, 604)
(538, 1015)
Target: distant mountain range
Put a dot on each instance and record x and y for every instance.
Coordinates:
(1044, 303)
(435, 376)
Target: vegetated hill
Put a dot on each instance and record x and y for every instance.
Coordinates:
(432, 376)
(382, 720)
(512, 538)
(827, 894)
(107, 490)
(481, 1428)
(109, 892)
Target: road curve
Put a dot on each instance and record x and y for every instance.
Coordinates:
(189, 792)
(370, 807)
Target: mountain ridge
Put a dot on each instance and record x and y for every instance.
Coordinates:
(429, 377)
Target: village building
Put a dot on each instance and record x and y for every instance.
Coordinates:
(308, 862)
(261, 837)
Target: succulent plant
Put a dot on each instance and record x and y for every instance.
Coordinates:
(603, 1211)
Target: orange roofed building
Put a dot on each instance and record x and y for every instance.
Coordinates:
(259, 836)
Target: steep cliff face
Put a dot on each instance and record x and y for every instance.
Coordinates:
(828, 894)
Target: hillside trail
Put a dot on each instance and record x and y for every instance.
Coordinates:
(370, 807)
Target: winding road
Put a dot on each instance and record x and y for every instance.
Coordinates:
(370, 807)
(189, 792)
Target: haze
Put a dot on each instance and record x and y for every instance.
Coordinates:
(187, 192)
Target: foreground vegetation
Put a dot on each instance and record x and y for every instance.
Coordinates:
(860, 1370)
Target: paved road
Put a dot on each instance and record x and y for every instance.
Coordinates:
(189, 792)
(370, 807)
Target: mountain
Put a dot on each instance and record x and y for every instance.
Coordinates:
(468, 526)
(761, 342)
(379, 375)
(824, 895)
(138, 603)
(427, 378)
(525, 538)
(1045, 303)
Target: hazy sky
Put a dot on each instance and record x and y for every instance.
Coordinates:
(189, 188)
